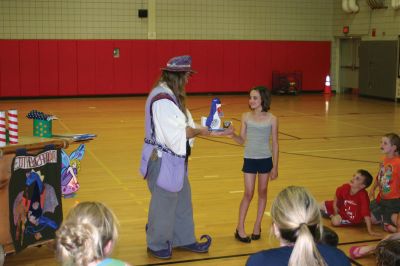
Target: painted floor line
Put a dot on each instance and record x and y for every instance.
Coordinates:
(211, 176)
(344, 149)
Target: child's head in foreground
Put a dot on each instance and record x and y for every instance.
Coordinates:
(388, 253)
(87, 234)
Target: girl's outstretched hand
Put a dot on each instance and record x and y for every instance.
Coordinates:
(226, 132)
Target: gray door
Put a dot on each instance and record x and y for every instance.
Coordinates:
(349, 63)
(378, 68)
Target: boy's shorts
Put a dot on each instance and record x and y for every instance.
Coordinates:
(329, 212)
(383, 210)
(254, 166)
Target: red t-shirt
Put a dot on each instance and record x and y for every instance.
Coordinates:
(389, 178)
(352, 207)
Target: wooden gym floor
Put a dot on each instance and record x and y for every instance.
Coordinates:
(323, 141)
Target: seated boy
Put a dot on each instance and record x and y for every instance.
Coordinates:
(351, 203)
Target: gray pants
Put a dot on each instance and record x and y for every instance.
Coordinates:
(170, 213)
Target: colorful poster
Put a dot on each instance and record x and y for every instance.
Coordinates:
(70, 166)
(35, 197)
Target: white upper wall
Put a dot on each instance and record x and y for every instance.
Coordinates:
(193, 19)
(168, 19)
(244, 19)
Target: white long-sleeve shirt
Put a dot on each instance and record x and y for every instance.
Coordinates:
(170, 125)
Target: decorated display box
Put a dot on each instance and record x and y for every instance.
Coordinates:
(42, 123)
(42, 128)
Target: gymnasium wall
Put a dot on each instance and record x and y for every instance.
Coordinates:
(87, 67)
(385, 21)
(168, 19)
(65, 47)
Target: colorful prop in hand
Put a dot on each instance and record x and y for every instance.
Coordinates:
(213, 121)
(42, 123)
(69, 171)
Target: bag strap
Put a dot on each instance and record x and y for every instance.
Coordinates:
(162, 147)
(153, 141)
(159, 96)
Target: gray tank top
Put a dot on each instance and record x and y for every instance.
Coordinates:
(257, 140)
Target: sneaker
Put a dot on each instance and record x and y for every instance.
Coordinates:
(164, 254)
(199, 247)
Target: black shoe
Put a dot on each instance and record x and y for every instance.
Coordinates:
(242, 239)
(256, 237)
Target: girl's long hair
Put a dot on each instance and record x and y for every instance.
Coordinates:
(296, 214)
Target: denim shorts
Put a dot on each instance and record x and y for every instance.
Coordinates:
(254, 166)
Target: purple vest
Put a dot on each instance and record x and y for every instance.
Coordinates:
(172, 169)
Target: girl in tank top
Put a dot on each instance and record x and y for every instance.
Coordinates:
(257, 128)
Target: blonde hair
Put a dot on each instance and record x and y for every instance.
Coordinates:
(77, 162)
(87, 230)
(296, 214)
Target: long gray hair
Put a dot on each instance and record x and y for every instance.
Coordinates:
(176, 81)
